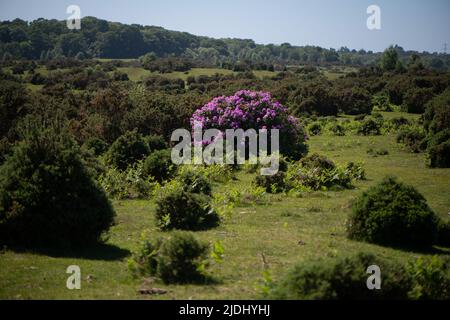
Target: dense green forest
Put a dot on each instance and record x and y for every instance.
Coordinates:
(48, 39)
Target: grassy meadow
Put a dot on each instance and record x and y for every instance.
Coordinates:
(272, 236)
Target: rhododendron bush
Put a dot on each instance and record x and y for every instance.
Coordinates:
(253, 110)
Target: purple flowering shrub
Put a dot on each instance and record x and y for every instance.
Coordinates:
(254, 110)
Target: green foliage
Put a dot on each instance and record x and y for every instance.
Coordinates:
(47, 195)
(315, 129)
(342, 279)
(185, 210)
(412, 138)
(155, 142)
(98, 146)
(127, 184)
(126, 150)
(443, 233)
(159, 165)
(389, 60)
(272, 183)
(317, 172)
(392, 213)
(430, 278)
(179, 258)
(415, 99)
(194, 181)
(369, 127)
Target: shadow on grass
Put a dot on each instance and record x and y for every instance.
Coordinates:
(99, 251)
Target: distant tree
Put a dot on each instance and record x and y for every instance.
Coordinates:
(389, 59)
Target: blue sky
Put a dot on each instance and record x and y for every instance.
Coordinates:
(413, 24)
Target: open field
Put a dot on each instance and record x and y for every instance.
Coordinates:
(286, 231)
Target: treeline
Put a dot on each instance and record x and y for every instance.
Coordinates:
(51, 39)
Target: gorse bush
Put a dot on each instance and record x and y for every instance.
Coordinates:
(412, 138)
(369, 127)
(155, 142)
(159, 165)
(443, 233)
(126, 150)
(272, 183)
(185, 210)
(342, 279)
(194, 181)
(437, 127)
(315, 129)
(178, 258)
(47, 195)
(392, 213)
(97, 145)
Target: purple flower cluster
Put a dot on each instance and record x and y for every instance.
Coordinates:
(245, 110)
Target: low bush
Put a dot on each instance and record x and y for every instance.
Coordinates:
(356, 170)
(315, 129)
(376, 153)
(317, 172)
(443, 233)
(176, 259)
(342, 279)
(392, 213)
(194, 181)
(159, 165)
(369, 127)
(272, 183)
(126, 150)
(413, 138)
(128, 184)
(181, 209)
(439, 155)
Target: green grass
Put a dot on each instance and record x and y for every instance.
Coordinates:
(287, 231)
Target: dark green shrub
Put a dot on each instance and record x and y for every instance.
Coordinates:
(342, 279)
(413, 139)
(415, 99)
(376, 153)
(180, 209)
(156, 142)
(317, 161)
(5, 149)
(126, 150)
(315, 129)
(400, 122)
(176, 259)
(159, 165)
(272, 183)
(195, 182)
(337, 129)
(47, 195)
(439, 155)
(98, 146)
(392, 213)
(369, 127)
(443, 233)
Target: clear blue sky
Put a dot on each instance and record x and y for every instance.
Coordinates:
(413, 24)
